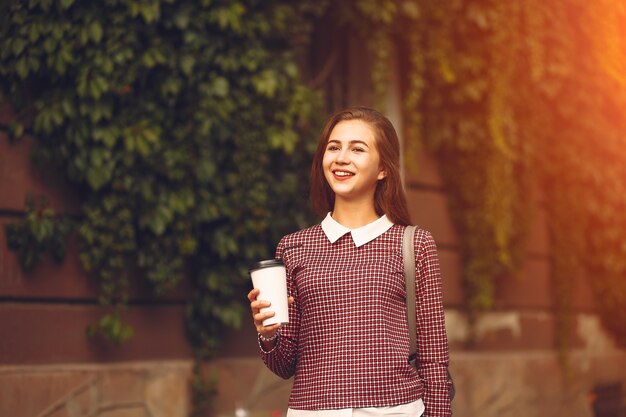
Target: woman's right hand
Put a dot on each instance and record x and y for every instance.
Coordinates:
(256, 305)
(258, 316)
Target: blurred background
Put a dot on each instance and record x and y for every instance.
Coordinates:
(150, 150)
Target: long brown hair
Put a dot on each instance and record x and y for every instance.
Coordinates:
(389, 197)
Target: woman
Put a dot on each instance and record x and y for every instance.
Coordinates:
(347, 341)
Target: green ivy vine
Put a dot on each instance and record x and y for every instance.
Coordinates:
(41, 233)
(181, 124)
(470, 123)
(579, 81)
(523, 98)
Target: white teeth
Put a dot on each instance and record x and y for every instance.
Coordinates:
(342, 173)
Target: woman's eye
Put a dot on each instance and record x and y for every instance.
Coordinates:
(332, 148)
(358, 150)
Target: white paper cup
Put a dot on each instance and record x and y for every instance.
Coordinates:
(270, 277)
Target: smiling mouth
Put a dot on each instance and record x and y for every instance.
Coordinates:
(343, 173)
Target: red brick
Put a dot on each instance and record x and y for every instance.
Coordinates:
(422, 171)
(67, 280)
(429, 210)
(18, 177)
(51, 333)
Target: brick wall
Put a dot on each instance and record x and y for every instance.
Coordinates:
(48, 367)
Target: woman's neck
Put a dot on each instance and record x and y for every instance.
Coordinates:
(353, 215)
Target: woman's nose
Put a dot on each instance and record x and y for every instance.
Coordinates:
(343, 157)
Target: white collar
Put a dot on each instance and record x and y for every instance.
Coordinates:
(361, 235)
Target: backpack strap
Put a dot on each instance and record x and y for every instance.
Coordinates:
(408, 259)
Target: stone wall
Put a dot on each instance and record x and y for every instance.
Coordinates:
(157, 389)
(490, 382)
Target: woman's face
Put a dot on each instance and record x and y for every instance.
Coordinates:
(351, 161)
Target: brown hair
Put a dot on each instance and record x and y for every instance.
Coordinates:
(389, 197)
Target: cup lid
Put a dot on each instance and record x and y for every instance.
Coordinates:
(266, 264)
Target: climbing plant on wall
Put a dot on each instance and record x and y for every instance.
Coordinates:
(580, 83)
(515, 97)
(470, 123)
(180, 124)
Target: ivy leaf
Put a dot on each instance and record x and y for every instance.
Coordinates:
(96, 177)
(18, 46)
(21, 67)
(66, 4)
(182, 18)
(186, 64)
(266, 83)
(220, 87)
(283, 139)
(95, 31)
(230, 17)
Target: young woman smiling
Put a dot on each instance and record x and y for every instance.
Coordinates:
(347, 342)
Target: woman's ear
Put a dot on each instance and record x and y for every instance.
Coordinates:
(382, 175)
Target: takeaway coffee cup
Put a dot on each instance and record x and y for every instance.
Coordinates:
(270, 278)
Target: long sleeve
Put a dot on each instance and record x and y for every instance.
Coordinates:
(432, 341)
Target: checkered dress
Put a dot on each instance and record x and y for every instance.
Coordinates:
(347, 341)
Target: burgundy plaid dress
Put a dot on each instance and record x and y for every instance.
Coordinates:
(347, 342)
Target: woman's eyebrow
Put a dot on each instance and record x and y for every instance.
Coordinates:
(352, 142)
